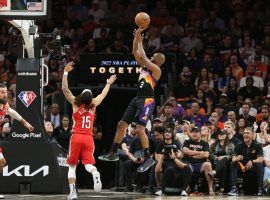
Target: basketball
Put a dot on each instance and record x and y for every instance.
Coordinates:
(142, 20)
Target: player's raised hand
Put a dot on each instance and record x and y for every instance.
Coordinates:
(138, 34)
(111, 79)
(69, 67)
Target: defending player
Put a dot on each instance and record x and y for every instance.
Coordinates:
(82, 142)
(6, 110)
(142, 106)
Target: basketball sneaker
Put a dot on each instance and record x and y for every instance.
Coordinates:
(146, 165)
(2, 196)
(109, 157)
(97, 182)
(72, 195)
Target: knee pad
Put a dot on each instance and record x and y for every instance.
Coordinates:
(72, 171)
(90, 168)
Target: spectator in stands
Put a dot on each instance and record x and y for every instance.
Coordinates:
(178, 112)
(258, 81)
(167, 112)
(154, 40)
(193, 61)
(218, 22)
(205, 135)
(89, 26)
(260, 61)
(222, 114)
(261, 136)
(232, 135)
(249, 119)
(247, 49)
(183, 134)
(250, 91)
(203, 75)
(81, 11)
(211, 61)
(200, 98)
(103, 41)
(190, 41)
(252, 110)
(184, 89)
(232, 117)
(49, 132)
(237, 70)
(196, 153)
(169, 42)
(90, 47)
(221, 153)
(195, 117)
(232, 92)
(223, 102)
(226, 49)
(224, 81)
(170, 165)
(62, 133)
(54, 115)
(130, 136)
(96, 11)
(102, 25)
(249, 158)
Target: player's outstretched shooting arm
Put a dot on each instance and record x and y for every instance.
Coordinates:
(140, 55)
(103, 94)
(68, 94)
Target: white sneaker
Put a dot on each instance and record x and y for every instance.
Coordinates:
(2, 196)
(184, 193)
(158, 192)
(72, 195)
(97, 181)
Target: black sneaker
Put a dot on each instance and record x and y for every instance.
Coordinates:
(109, 157)
(233, 192)
(146, 165)
(260, 191)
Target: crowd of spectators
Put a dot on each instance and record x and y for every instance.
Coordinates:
(222, 80)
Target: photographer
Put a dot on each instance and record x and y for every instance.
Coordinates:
(196, 153)
(175, 172)
(135, 159)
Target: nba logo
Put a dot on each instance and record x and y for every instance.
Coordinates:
(27, 97)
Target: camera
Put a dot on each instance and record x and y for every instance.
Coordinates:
(167, 150)
(54, 44)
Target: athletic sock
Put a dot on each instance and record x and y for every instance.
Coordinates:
(72, 187)
(114, 147)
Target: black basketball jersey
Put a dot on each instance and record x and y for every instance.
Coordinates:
(146, 83)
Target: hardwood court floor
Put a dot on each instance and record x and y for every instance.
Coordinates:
(106, 194)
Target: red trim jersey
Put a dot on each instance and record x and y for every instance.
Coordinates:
(83, 120)
(3, 113)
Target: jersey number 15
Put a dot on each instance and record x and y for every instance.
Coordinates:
(86, 123)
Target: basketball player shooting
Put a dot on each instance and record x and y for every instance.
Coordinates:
(82, 142)
(6, 110)
(141, 107)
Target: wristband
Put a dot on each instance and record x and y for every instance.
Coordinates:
(65, 73)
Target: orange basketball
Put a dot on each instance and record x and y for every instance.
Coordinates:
(142, 20)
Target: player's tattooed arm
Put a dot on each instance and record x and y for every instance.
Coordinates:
(68, 94)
